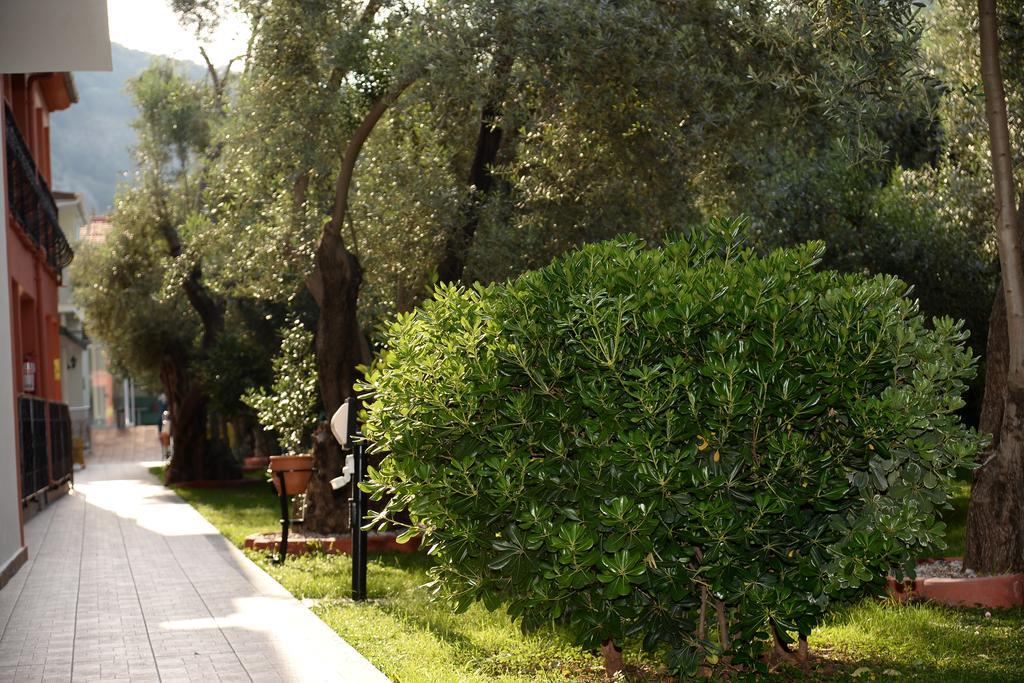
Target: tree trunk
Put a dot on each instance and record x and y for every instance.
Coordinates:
(612, 655)
(193, 458)
(997, 361)
(481, 180)
(340, 344)
(987, 507)
(995, 520)
(339, 349)
(1007, 233)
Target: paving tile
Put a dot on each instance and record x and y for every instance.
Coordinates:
(126, 582)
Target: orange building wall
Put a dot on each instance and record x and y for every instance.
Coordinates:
(34, 285)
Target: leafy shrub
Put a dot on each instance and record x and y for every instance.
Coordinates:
(289, 410)
(632, 438)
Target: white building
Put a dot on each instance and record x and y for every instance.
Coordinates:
(75, 380)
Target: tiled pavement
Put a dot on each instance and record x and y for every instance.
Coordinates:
(125, 581)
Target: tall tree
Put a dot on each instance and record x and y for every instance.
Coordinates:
(995, 536)
(322, 74)
(174, 147)
(168, 325)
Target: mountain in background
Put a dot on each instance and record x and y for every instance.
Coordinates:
(91, 141)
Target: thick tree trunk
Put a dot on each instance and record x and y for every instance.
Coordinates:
(195, 457)
(340, 344)
(997, 361)
(1007, 232)
(987, 510)
(995, 519)
(339, 349)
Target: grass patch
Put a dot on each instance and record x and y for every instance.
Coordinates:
(924, 642)
(411, 639)
(236, 512)
(415, 641)
(158, 472)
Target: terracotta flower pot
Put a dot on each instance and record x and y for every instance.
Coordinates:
(297, 469)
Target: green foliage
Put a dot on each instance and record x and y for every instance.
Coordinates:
(613, 114)
(929, 227)
(119, 285)
(174, 116)
(651, 114)
(599, 440)
(403, 203)
(289, 409)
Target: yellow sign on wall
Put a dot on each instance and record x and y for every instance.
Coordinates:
(56, 369)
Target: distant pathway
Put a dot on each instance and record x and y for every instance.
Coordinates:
(127, 581)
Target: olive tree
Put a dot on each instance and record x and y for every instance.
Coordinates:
(547, 123)
(146, 292)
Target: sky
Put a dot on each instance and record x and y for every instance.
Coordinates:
(151, 26)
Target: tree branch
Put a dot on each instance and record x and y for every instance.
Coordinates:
(210, 313)
(254, 26)
(210, 69)
(369, 11)
(365, 19)
(723, 625)
(352, 150)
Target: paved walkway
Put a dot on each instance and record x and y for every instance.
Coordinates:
(127, 581)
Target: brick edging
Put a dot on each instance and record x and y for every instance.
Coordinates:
(376, 543)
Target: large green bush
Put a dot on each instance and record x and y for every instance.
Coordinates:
(630, 432)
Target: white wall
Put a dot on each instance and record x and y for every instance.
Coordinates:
(74, 382)
(10, 495)
(73, 389)
(77, 36)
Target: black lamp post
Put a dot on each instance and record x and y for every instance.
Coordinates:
(345, 430)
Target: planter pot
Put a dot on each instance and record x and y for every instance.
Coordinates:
(1003, 591)
(255, 463)
(297, 469)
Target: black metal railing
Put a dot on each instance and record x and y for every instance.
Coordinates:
(60, 442)
(35, 471)
(35, 417)
(30, 200)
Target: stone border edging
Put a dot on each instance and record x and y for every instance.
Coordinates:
(220, 483)
(998, 592)
(376, 543)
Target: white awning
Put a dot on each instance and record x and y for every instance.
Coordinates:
(54, 35)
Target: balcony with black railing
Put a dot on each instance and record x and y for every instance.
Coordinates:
(30, 201)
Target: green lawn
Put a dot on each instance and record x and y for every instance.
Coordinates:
(412, 640)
